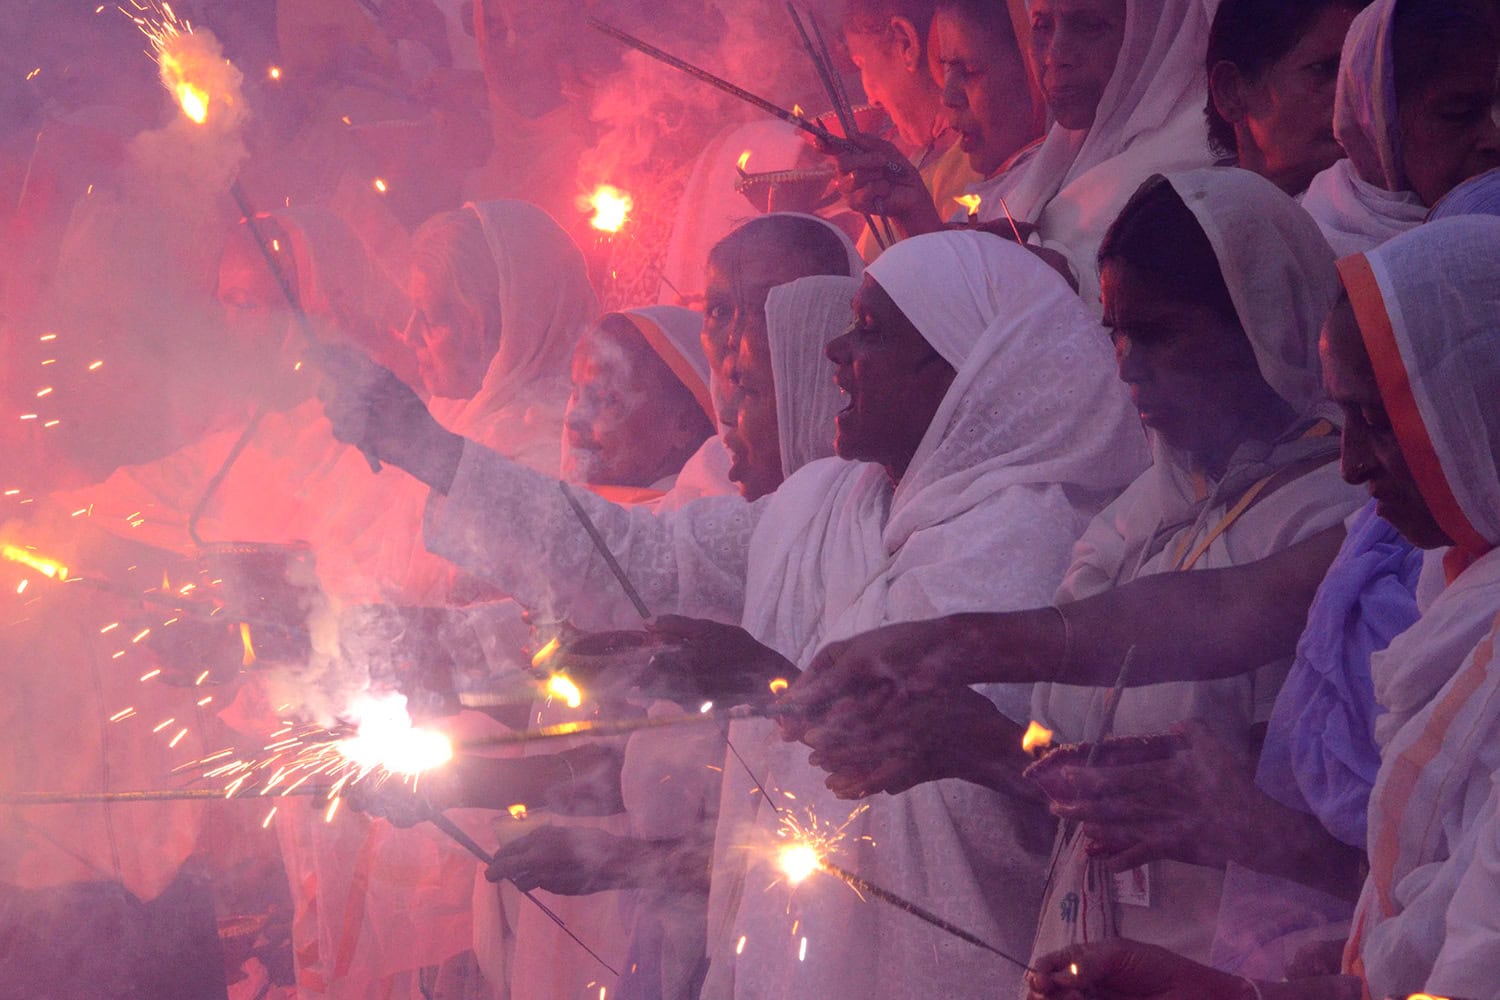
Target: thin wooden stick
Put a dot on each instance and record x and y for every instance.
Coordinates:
(604, 552)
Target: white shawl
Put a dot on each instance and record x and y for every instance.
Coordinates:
(1428, 304)
(1149, 121)
(801, 318)
(1008, 471)
(1362, 201)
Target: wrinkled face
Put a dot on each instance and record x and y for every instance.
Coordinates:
(894, 380)
(623, 423)
(1371, 454)
(1075, 44)
(453, 343)
(1448, 128)
(1191, 372)
(890, 85)
(1289, 111)
(984, 91)
(752, 433)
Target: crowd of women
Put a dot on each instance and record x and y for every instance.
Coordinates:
(1137, 384)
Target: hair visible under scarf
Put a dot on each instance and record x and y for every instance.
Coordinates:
(824, 247)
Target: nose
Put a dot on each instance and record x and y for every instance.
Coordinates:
(952, 94)
(838, 350)
(1130, 360)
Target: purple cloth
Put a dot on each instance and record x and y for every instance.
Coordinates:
(1320, 755)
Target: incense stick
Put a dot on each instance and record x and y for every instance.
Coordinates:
(603, 547)
(149, 795)
(620, 727)
(790, 117)
(468, 843)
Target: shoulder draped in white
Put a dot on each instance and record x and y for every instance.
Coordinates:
(1363, 200)
(1428, 304)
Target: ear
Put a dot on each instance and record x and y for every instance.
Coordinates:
(906, 42)
(1227, 87)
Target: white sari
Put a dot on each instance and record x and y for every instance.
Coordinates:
(1428, 304)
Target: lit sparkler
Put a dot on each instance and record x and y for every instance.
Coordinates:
(50, 568)
(611, 208)
(562, 688)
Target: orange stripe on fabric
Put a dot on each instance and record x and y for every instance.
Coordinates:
(669, 353)
(1401, 404)
(1407, 769)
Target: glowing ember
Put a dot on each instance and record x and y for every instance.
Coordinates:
(517, 811)
(49, 568)
(970, 202)
(545, 653)
(798, 862)
(248, 659)
(274, 72)
(778, 685)
(1036, 737)
(380, 185)
(611, 208)
(562, 687)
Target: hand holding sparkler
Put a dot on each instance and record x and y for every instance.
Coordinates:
(1131, 970)
(877, 179)
(704, 660)
(371, 408)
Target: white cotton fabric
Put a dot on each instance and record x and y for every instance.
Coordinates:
(802, 316)
(1281, 278)
(1439, 682)
(1033, 435)
(546, 304)
(1362, 201)
(1149, 121)
(980, 521)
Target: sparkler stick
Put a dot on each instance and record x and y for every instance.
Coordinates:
(790, 117)
(469, 844)
(604, 552)
(1011, 219)
(149, 795)
(621, 727)
(865, 887)
(1111, 706)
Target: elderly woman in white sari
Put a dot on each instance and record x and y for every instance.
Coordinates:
(1123, 80)
(1417, 81)
(1409, 356)
(1228, 384)
(975, 466)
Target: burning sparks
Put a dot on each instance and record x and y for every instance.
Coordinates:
(386, 739)
(560, 686)
(808, 844)
(1037, 737)
(49, 568)
(798, 862)
(193, 68)
(611, 208)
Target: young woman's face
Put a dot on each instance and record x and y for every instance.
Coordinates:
(894, 380)
(984, 91)
(1191, 372)
(1286, 133)
(1448, 127)
(1370, 453)
(1075, 45)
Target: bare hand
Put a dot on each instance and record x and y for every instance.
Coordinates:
(399, 802)
(709, 660)
(878, 179)
(570, 861)
(1199, 805)
(1127, 970)
(375, 411)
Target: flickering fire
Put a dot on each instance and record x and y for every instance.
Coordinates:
(1036, 737)
(49, 568)
(249, 658)
(970, 202)
(517, 811)
(562, 687)
(779, 684)
(744, 161)
(611, 208)
(546, 653)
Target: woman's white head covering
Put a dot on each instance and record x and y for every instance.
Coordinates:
(1149, 120)
(1362, 201)
(802, 316)
(673, 333)
(1279, 271)
(1428, 306)
(1036, 398)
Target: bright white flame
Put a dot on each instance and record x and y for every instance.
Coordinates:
(386, 738)
(560, 686)
(798, 862)
(49, 568)
(611, 208)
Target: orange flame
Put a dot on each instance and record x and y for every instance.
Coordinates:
(743, 161)
(970, 202)
(517, 811)
(611, 208)
(562, 687)
(545, 653)
(778, 685)
(249, 658)
(192, 98)
(49, 568)
(1037, 737)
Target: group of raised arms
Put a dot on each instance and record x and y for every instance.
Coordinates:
(487, 512)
